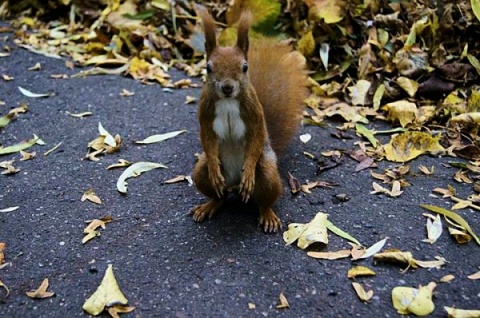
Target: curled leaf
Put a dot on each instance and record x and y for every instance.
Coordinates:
(134, 171)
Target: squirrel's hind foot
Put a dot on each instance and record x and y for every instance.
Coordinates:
(269, 220)
(207, 209)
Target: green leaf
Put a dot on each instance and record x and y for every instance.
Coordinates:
(332, 228)
(476, 8)
(139, 16)
(453, 216)
(367, 133)
(20, 146)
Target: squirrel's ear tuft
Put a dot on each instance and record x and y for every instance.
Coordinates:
(208, 29)
(242, 36)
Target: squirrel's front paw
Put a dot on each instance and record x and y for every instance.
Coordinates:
(217, 180)
(247, 185)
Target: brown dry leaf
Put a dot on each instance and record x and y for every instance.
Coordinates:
(395, 192)
(462, 204)
(115, 310)
(474, 276)
(315, 184)
(427, 171)
(294, 183)
(411, 144)
(407, 258)
(462, 177)
(361, 293)
(357, 271)
(447, 193)
(447, 278)
(126, 93)
(91, 229)
(283, 302)
(251, 306)
(105, 143)
(8, 166)
(460, 236)
(91, 196)
(2, 255)
(121, 164)
(27, 155)
(41, 292)
(330, 255)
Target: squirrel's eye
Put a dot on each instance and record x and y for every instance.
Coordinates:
(209, 68)
(245, 67)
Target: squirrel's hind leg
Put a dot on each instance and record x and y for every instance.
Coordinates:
(207, 209)
(268, 188)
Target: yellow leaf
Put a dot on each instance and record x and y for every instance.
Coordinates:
(361, 293)
(331, 11)
(357, 271)
(121, 163)
(5, 287)
(411, 144)
(306, 44)
(460, 236)
(447, 278)
(377, 97)
(476, 8)
(408, 300)
(410, 86)
(403, 111)
(461, 313)
(283, 302)
(330, 255)
(309, 233)
(453, 216)
(427, 171)
(396, 256)
(359, 91)
(107, 294)
(41, 292)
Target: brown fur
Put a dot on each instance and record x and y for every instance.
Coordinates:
(270, 99)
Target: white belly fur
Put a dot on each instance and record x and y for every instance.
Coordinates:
(230, 130)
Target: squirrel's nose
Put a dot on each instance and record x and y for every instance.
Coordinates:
(227, 89)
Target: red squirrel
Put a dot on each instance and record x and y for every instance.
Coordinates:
(249, 109)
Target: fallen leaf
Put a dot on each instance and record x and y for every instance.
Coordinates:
(121, 164)
(398, 256)
(180, 178)
(10, 209)
(293, 183)
(395, 192)
(447, 278)
(36, 67)
(160, 137)
(305, 138)
(411, 144)
(461, 313)
(332, 228)
(434, 229)
(330, 255)
(27, 155)
(453, 216)
(283, 302)
(91, 196)
(359, 92)
(28, 93)
(357, 271)
(251, 306)
(309, 233)
(49, 151)
(5, 287)
(20, 146)
(109, 139)
(374, 249)
(427, 171)
(460, 236)
(190, 100)
(107, 294)
(134, 171)
(2, 255)
(80, 115)
(126, 93)
(41, 292)
(115, 310)
(59, 76)
(474, 276)
(361, 293)
(7, 78)
(402, 111)
(407, 300)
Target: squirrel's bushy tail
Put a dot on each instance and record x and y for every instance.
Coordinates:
(279, 77)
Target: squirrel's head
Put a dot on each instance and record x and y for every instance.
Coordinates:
(227, 67)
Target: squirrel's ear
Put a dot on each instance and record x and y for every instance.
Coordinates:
(242, 36)
(208, 29)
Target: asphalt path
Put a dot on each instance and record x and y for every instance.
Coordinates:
(166, 264)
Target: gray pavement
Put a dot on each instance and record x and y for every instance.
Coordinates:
(166, 264)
